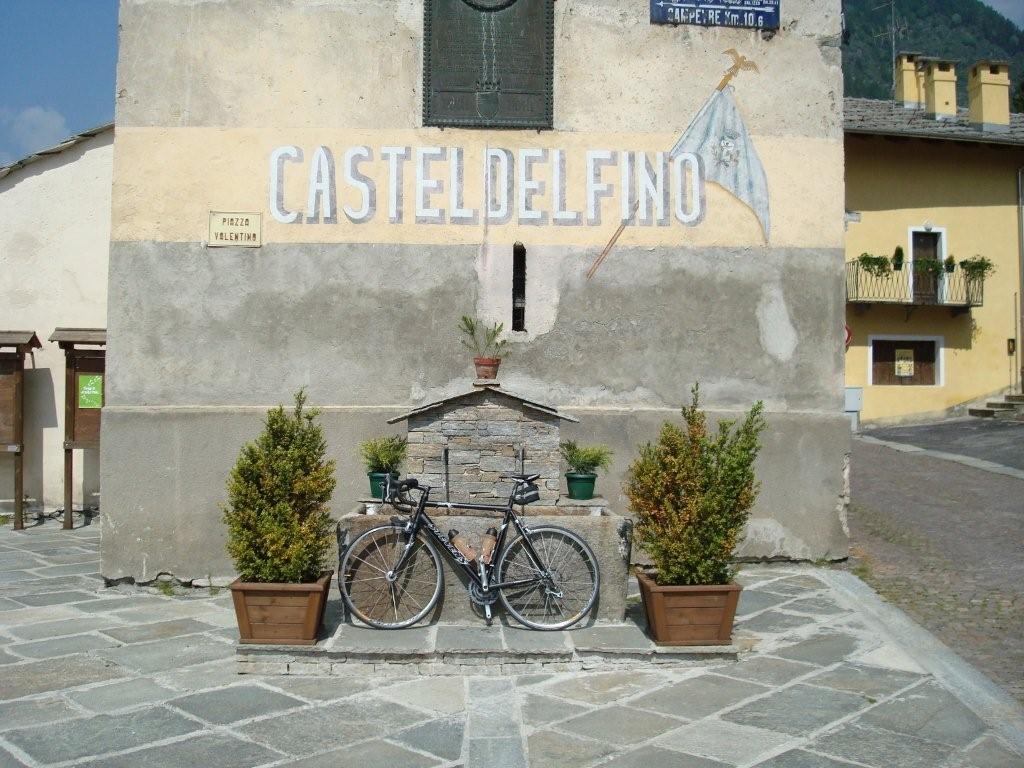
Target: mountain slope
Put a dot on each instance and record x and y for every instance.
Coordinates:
(965, 30)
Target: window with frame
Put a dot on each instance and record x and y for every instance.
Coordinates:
(896, 362)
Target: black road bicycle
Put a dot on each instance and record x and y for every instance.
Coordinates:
(391, 576)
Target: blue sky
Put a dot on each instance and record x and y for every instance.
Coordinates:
(57, 65)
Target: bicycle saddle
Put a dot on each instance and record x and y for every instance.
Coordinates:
(521, 478)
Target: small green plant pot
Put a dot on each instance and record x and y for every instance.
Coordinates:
(377, 480)
(581, 487)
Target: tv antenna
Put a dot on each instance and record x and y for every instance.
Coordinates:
(898, 29)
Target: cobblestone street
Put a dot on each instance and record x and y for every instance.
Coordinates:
(943, 542)
(133, 676)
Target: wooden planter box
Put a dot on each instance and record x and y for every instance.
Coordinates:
(280, 614)
(689, 615)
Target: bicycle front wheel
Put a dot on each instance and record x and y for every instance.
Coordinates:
(562, 597)
(377, 593)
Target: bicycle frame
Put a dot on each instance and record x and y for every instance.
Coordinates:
(420, 520)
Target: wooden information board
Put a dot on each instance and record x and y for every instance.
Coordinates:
(14, 345)
(84, 390)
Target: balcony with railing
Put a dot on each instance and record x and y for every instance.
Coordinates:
(912, 287)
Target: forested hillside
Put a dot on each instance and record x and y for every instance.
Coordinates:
(965, 30)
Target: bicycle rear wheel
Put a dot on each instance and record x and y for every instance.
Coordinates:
(562, 599)
(381, 597)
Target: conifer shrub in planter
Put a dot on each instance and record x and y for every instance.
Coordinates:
(486, 343)
(280, 529)
(583, 462)
(691, 493)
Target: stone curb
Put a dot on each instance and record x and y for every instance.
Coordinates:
(990, 702)
(967, 461)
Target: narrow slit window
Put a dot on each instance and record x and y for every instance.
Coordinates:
(518, 287)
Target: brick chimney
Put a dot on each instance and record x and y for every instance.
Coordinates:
(939, 88)
(988, 90)
(909, 81)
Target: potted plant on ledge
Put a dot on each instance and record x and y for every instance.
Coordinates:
(897, 259)
(691, 494)
(383, 456)
(280, 529)
(583, 462)
(487, 346)
(977, 268)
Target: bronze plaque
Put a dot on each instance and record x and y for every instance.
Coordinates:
(488, 63)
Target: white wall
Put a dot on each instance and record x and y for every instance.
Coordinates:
(54, 244)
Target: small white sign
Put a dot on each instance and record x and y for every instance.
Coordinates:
(235, 229)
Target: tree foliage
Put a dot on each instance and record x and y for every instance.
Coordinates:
(692, 492)
(964, 30)
(279, 525)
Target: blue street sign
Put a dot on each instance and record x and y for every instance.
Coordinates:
(755, 14)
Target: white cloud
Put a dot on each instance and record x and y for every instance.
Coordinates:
(34, 128)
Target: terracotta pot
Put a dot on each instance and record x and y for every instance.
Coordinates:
(280, 614)
(689, 615)
(487, 367)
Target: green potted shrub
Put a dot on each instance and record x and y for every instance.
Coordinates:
(949, 264)
(280, 530)
(977, 268)
(897, 259)
(486, 343)
(383, 456)
(691, 493)
(583, 462)
(876, 266)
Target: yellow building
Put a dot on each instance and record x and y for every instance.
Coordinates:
(944, 185)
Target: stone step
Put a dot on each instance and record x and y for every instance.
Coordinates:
(1015, 399)
(989, 413)
(454, 650)
(1000, 405)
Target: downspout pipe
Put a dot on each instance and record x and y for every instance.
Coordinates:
(1020, 265)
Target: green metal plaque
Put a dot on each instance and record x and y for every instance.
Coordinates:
(488, 63)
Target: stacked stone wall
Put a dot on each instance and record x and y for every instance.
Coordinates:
(483, 434)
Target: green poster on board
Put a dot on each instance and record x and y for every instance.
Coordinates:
(90, 390)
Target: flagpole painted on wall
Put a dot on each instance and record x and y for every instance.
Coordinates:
(740, 63)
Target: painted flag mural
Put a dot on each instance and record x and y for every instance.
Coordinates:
(719, 137)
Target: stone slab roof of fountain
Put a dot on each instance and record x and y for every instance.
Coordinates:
(482, 386)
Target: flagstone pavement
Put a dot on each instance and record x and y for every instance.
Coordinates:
(129, 676)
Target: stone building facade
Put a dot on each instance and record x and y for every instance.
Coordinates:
(380, 229)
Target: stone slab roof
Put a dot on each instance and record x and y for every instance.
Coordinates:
(68, 143)
(20, 339)
(887, 118)
(482, 387)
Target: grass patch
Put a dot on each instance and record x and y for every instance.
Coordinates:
(165, 588)
(862, 571)
(5, 519)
